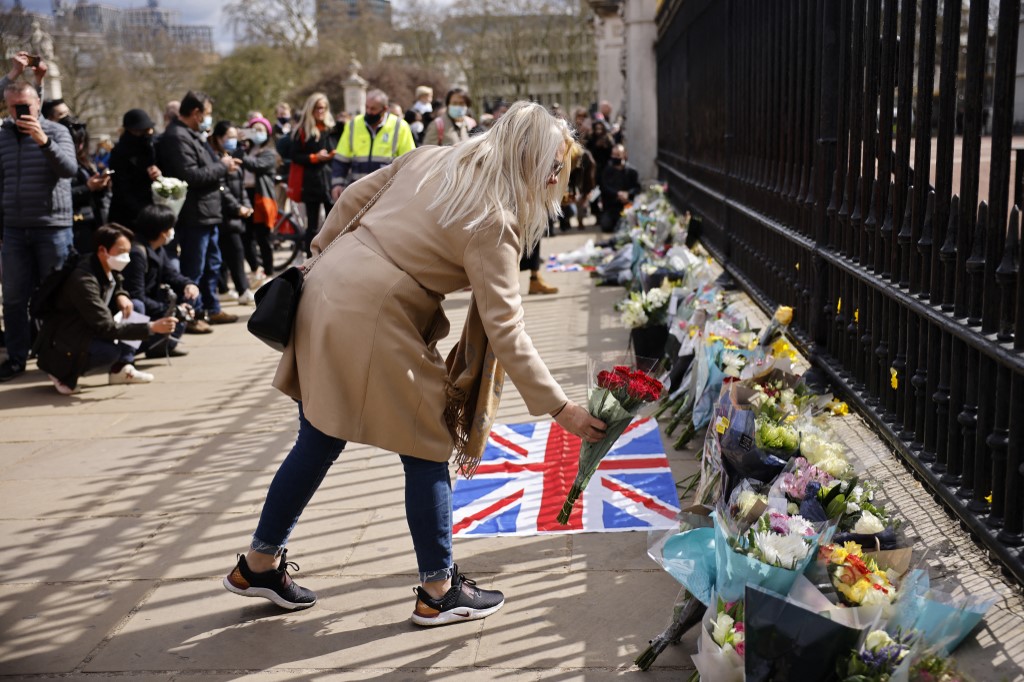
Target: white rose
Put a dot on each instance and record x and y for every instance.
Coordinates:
(878, 639)
(720, 628)
(852, 507)
(868, 524)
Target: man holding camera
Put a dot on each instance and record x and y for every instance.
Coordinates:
(37, 161)
(153, 284)
(80, 332)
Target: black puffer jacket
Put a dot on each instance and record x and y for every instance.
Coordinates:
(79, 316)
(235, 198)
(148, 269)
(35, 182)
(181, 153)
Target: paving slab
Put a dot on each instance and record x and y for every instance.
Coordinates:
(52, 628)
(359, 622)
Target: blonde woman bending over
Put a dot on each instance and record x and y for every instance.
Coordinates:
(363, 363)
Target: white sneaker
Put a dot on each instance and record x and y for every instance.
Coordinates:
(63, 388)
(130, 375)
(247, 298)
(229, 295)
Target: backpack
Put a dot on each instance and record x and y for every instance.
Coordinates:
(44, 299)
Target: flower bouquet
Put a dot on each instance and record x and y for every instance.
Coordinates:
(857, 577)
(618, 395)
(721, 644)
(786, 640)
(170, 192)
(877, 659)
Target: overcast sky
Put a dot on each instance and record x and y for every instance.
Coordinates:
(190, 12)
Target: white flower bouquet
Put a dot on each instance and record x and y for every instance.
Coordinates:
(170, 192)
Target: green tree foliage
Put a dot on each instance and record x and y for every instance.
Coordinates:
(252, 78)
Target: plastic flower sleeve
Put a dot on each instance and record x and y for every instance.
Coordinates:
(736, 570)
(714, 662)
(786, 641)
(943, 620)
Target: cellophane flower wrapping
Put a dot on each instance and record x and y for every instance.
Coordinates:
(170, 192)
(786, 640)
(771, 553)
(721, 645)
(942, 619)
(617, 393)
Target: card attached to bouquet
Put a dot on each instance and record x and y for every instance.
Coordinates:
(527, 470)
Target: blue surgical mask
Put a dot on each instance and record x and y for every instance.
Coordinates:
(231, 144)
(258, 138)
(456, 111)
(207, 123)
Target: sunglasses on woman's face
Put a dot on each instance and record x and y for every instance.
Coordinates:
(556, 170)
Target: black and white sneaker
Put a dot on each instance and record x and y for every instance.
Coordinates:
(275, 584)
(464, 601)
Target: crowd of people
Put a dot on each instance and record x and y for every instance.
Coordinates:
(85, 238)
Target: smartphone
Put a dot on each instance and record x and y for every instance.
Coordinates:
(33, 60)
(107, 171)
(21, 110)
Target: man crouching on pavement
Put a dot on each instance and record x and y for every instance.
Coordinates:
(79, 332)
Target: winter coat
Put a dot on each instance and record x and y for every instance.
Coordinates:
(363, 357)
(181, 153)
(35, 182)
(131, 187)
(87, 205)
(263, 165)
(148, 269)
(79, 316)
(316, 177)
(233, 197)
(446, 132)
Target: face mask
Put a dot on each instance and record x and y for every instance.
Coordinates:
(617, 162)
(456, 111)
(231, 144)
(372, 119)
(417, 127)
(283, 120)
(170, 236)
(119, 262)
(258, 138)
(207, 123)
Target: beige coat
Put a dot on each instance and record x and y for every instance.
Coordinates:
(363, 355)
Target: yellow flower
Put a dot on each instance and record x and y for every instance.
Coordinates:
(853, 548)
(839, 305)
(894, 379)
(856, 316)
(781, 349)
(784, 314)
(693, 331)
(988, 498)
(797, 266)
(838, 555)
(839, 409)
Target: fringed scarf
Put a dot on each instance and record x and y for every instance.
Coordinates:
(475, 381)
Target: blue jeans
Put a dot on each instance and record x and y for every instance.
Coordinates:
(201, 262)
(428, 500)
(28, 255)
(103, 353)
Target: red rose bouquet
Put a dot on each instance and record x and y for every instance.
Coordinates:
(618, 395)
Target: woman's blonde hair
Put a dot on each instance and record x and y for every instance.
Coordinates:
(505, 172)
(307, 124)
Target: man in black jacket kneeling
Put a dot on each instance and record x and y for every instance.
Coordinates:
(79, 332)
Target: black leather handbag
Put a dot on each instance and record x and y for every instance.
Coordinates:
(276, 303)
(278, 300)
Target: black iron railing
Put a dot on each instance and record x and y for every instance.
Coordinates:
(802, 132)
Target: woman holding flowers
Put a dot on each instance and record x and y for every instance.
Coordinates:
(363, 363)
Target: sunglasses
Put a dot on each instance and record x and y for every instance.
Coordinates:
(556, 170)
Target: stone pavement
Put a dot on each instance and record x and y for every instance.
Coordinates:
(121, 509)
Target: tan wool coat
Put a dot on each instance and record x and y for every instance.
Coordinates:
(363, 356)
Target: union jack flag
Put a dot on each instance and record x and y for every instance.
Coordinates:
(527, 470)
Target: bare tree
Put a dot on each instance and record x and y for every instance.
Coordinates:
(289, 24)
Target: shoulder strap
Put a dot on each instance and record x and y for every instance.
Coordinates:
(394, 136)
(439, 121)
(352, 223)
